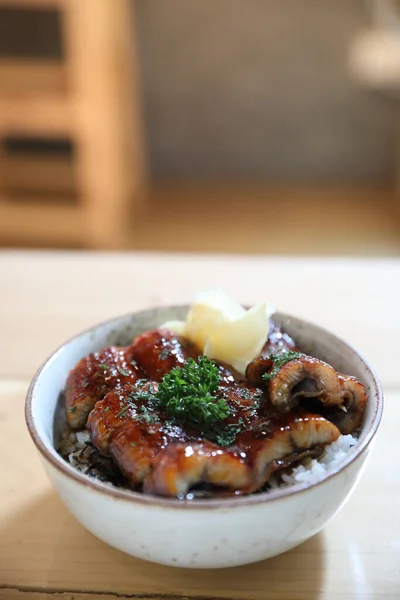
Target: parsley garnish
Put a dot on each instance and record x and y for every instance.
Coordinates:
(103, 366)
(123, 412)
(124, 372)
(186, 394)
(72, 409)
(169, 427)
(228, 435)
(147, 416)
(164, 354)
(143, 382)
(280, 359)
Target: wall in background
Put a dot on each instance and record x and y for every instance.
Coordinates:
(259, 88)
(246, 89)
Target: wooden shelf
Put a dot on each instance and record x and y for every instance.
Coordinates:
(38, 115)
(39, 174)
(27, 77)
(40, 221)
(92, 99)
(32, 4)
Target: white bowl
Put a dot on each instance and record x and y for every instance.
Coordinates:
(197, 533)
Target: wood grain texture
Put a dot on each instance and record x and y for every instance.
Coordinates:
(53, 296)
(31, 218)
(38, 115)
(93, 99)
(44, 548)
(110, 170)
(45, 553)
(26, 77)
(28, 172)
(14, 594)
(32, 4)
(306, 220)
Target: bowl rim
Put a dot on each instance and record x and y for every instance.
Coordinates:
(133, 497)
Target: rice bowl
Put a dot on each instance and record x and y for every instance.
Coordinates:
(219, 532)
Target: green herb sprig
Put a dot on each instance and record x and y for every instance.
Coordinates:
(186, 393)
(279, 360)
(147, 416)
(227, 435)
(124, 372)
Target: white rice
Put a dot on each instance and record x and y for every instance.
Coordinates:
(313, 470)
(78, 451)
(82, 437)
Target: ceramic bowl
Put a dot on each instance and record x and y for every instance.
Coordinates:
(196, 533)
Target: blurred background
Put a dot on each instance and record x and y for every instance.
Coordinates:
(201, 125)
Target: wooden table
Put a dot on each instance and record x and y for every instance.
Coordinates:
(47, 297)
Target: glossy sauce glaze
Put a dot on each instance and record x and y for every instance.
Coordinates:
(159, 351)
(151, 355)
(116, 390)
(170, 458)
(277, 341)
(93, 377)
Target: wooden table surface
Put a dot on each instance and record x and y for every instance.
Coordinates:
(47, 297)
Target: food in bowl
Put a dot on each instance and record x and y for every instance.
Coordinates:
(222, 404)
(198, 533)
